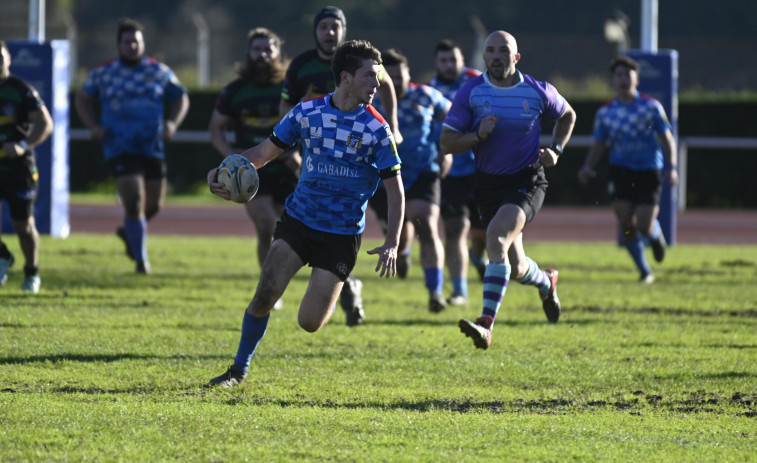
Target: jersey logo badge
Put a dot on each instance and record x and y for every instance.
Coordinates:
(526, 109)
(354, 142)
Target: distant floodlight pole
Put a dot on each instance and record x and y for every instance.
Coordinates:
(37, 20)
(649, 13)
(203, 50)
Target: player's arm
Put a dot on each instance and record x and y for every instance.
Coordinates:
(454, 141)
(85, 108)
(560, 136)
(259, 155)
(668, 144)
(42, 127)
(176, 114)
(395, 196)
(389, 102)
(217, 130)
(596, 151)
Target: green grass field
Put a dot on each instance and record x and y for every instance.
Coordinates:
(107, 365)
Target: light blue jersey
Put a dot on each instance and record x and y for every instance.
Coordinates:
(514, 143)
(342, 154)
(463, 164)
(416, 112)
(132, 100)
(632, 131)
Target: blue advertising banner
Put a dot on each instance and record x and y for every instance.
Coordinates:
(658, 78)
(45, 66)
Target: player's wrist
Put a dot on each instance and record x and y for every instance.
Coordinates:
(24, 145)
(557, 148)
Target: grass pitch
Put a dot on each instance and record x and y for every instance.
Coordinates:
(107, 365)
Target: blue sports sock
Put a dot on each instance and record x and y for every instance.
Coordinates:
(475, 260)
(636, 249)
(656, 230)
(434, 279)
(495, 285)
(460, 286)
(536, 277)
(136, 234)
(253, 330)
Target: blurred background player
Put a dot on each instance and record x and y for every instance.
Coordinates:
(418, 106)
(642, 154)
(499, 115)
(309, 76)
(24, 124)
(458, 209)
(133, 90)
(250, 104)
(324, 219)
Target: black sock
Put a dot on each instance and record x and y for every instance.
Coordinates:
(31, 271)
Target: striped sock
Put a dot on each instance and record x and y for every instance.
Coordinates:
(253, 330)
(536, 277)
(495, 285)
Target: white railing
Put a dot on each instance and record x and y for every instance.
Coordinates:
(581, 141)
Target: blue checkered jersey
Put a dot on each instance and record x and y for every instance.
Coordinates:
(132, 100)
(514, 143)
(416, 112)
(464, 163)
(632, 131)
(342, 154)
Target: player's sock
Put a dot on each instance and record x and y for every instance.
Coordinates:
(475, 260)
(495, 284)
(656, 230)
(136, 234)
(434, 279)
(460, 286)
(253, 330)
(636, 249)
(536, 277)
(31, 271)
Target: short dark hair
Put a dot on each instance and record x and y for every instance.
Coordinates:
(446, 45)
(350, 55)
(623, 60)
(393, 57)
(127, 25)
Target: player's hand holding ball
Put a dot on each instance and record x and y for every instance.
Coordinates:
(236, 179)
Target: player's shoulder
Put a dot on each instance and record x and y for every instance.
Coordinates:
(373, 114)
(469, 73)
(234, 86)
(648, 99)
(303, 58)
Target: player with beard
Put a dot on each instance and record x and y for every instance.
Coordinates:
(309, 76)
(499, 115)
(133, 92)
(250, 104)
(24, 124)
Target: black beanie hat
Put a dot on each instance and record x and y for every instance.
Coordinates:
(333, 12)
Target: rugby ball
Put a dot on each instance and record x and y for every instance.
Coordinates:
(239, 177)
